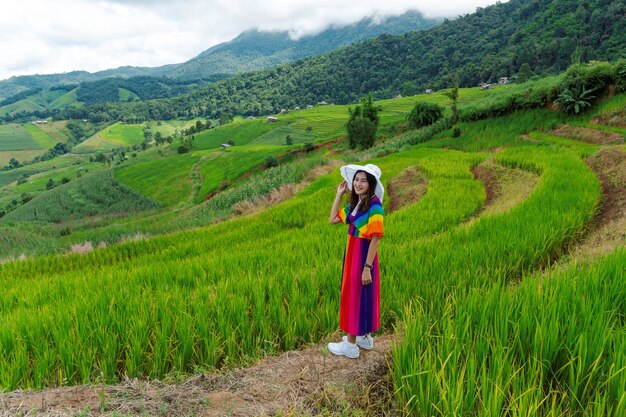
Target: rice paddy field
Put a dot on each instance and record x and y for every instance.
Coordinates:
(116, 135)
(489, 321)
(23, 142)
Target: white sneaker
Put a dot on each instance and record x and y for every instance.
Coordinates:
(349, 350)
(365, 342)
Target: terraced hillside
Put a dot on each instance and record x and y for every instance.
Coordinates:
(485, 322)
(25, 141)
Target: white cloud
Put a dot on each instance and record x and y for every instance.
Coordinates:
(40, 36)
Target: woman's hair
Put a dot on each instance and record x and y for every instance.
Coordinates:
(354, 198)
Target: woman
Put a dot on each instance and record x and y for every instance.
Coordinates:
(360, 287)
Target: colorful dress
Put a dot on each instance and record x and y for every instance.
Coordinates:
(360, 304)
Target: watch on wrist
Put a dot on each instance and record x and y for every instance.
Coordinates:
(366, 265)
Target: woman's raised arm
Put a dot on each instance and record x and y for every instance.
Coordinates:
(341, 189)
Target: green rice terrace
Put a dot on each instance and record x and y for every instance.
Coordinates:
(503, 268)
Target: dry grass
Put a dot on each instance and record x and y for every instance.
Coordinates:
(505, 187)
(305, 382)
(588, 135)
(284, 192)
(406, 188)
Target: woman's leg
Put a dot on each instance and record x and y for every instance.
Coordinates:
(351, 338)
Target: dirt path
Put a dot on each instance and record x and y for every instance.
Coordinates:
(609, 228)
(307, 381)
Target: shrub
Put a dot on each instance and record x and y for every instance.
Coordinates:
(271, 161)
(424, 114)
(308, 147)
(575, 99)
(456, 132)
(182, 149)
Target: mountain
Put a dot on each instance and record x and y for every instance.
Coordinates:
(545, 36)
(251, 50)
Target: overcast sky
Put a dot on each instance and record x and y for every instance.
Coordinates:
(53, 36)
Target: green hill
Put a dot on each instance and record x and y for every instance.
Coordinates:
(91, 195)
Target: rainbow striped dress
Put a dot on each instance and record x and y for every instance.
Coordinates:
(360, 304)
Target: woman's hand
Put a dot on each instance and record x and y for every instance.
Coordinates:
(366, 276)
(341, 189)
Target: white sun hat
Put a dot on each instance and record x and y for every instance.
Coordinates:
(348, 172)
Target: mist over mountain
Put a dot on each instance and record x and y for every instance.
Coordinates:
(251, 50)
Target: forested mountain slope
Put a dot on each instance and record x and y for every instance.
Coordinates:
(543, 36)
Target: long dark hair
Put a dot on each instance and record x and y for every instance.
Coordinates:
(354, 197)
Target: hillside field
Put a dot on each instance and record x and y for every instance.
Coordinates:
(493, 309)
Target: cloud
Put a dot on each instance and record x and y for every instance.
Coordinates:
(40, 36)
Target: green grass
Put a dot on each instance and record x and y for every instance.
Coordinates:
(21, 156)
(241, 132)
(115, 136)
(553, 346)
(56, 130)
(66, 100)
(90, 195)
(44, 140)
(22, 106)
(166, 180)
(220, 167)
(14, 137)
(172, 127)
(125, 94)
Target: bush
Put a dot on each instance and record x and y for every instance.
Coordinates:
(456, 132)
(271, 161)
(308, 147)
(424, 114)
(182, 149)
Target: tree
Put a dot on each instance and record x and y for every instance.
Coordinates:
(50, 184)
(361, 130)
(453, 95)
(158, 138)
(362, 124)
(424, 114)
(14, 163)
(288, 140)
(524, 74)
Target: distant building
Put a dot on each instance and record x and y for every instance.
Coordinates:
(225, 146)
(428, 91)
(322, 103)
(40, 122)
(309, 106)
(503, 80)
(485, 86)
(272, 119)
(297, 108)
(399, 96)
(283, 111)
(251, 118)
